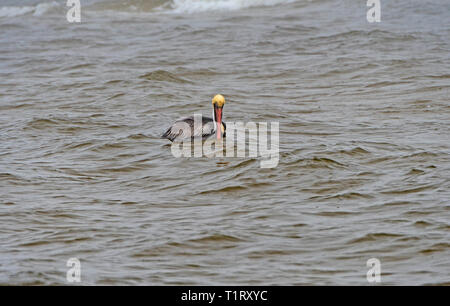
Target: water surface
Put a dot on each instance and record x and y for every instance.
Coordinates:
(364, 142)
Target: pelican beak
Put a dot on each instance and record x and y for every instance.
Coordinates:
(218, 117)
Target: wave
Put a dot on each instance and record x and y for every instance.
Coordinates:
(183, 6)
(194, 6)
(143, 6)
(36, 10)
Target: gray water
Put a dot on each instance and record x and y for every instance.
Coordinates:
(364, 169)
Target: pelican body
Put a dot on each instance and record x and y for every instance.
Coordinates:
(184, 128)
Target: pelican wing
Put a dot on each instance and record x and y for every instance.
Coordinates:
(184, 128)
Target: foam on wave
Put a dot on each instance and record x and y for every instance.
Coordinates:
(194, 6)
(175, 6)
(37, 10)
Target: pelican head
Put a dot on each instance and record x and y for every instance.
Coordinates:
(218, 102)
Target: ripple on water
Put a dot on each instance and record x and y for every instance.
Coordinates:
(164, 76)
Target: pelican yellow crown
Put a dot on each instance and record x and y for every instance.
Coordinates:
(218, 100)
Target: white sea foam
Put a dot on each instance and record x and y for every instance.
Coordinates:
(176, 6)
(193, 6)
(37, 10)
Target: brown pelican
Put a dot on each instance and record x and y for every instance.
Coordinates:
(183, 128)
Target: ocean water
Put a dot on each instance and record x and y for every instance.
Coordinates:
(364, 165)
